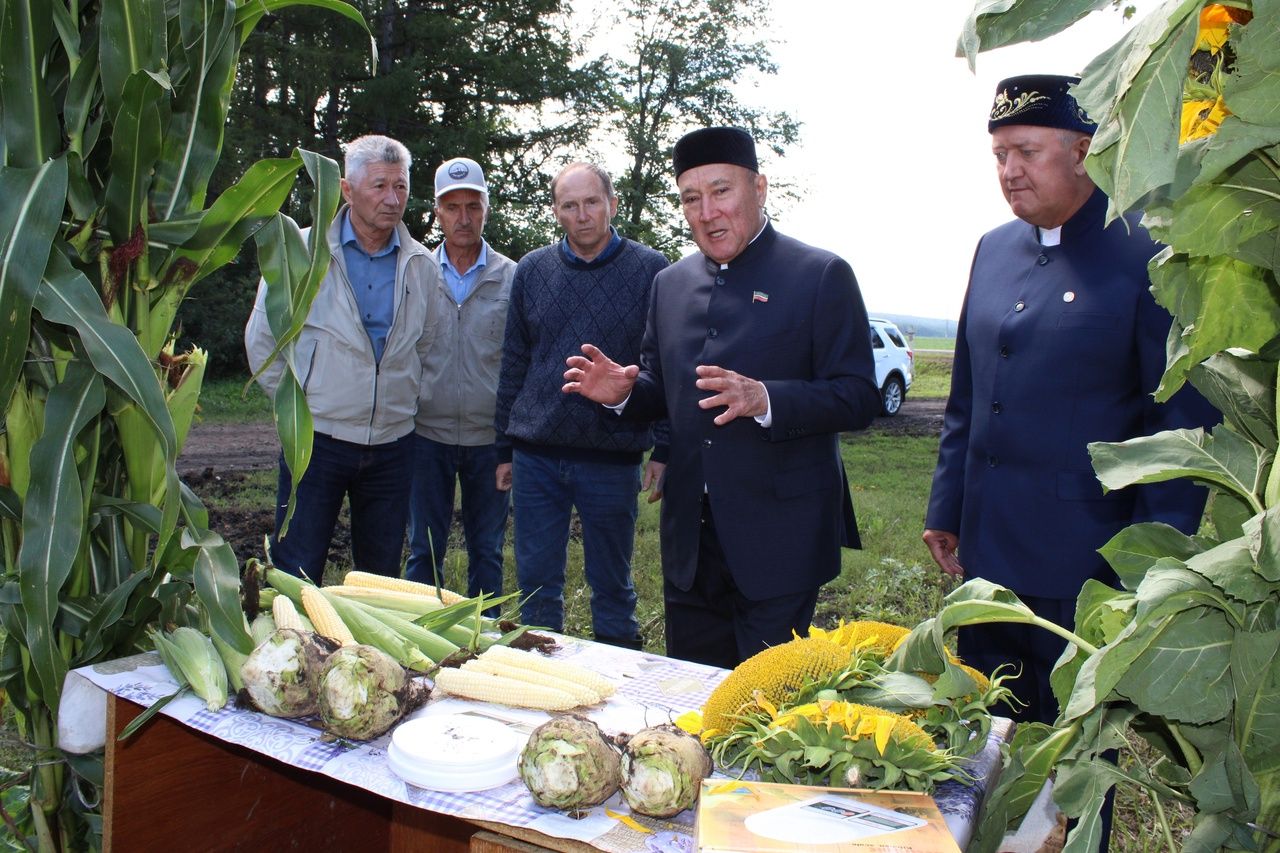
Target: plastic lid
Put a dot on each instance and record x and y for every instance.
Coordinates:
(454, 752)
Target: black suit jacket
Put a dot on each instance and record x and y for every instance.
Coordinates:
(791, 316)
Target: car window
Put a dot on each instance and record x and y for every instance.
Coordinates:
(895, 337)
(876, 343)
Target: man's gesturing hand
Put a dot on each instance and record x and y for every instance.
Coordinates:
(597, 377)
(742, 397)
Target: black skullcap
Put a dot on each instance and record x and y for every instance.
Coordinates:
(715, 145)
(1042, 100)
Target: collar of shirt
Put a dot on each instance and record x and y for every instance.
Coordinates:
(1050, 236)
(615, 240)
(349, 237)
(482, 259)
(763, 225)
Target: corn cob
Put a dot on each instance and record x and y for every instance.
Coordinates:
(285, 614)
(585, 695)
(412, 604)
(372, 581)
(430, 643)
(470, 684)
(563, 670)
(327, 621)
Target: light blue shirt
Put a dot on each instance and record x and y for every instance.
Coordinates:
(373, 280)
(460, 283)
(615, 240)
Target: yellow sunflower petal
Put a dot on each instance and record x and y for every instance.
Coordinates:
(690, 721)
(625, 819)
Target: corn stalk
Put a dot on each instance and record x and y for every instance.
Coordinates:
(113, 117)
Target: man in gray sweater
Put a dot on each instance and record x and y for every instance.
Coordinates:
(454, 437)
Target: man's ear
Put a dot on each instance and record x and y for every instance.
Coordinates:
(1079, 150)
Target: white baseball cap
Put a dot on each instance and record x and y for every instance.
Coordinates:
(460, 173)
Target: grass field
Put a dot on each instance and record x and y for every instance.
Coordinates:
(932, 377)
(920, 342)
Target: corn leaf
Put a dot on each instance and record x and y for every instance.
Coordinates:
(193, 140)
(29, 134)
(294, 426)
(248, 15)
(231, 220)
(131, 38)
(217, 577)
(82, 94)
(110, 609)
(53, 521)
(135, 145)
(31, 203)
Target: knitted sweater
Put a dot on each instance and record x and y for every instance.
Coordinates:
(557, 305)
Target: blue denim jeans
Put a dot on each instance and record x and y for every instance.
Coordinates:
(374, 478)
(436, 469)
(543, 491)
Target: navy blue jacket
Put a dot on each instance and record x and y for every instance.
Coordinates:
(1057, 347)
(792, 317)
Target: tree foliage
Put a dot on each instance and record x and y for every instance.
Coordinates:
(680, 71)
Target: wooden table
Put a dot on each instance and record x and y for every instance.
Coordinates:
(171, 787)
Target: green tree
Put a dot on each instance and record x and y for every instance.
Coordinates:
(679, 72)
(113, 121)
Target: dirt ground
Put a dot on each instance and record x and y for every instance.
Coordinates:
(218, 457)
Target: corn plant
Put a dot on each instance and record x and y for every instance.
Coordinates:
(113, 116)
(1186, 653)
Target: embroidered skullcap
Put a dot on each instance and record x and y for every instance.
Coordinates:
(1042, 100)
(715, 145)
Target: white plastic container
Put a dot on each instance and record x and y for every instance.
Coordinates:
(454, 752)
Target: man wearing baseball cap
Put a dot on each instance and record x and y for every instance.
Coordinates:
(757, 350)
(454, 440)
(1060, 344)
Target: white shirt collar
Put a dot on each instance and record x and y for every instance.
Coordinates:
(1050, 236)
(763, 225)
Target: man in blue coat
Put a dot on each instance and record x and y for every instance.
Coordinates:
(1060, 344)
(756, 350)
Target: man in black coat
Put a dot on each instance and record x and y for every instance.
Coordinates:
(757, 351)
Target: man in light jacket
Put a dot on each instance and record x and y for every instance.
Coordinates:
(454, 441)
(359, 358)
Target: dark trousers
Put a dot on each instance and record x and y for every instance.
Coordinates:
(713, 623)
(375, 478)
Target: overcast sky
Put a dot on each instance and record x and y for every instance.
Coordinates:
(895, 160)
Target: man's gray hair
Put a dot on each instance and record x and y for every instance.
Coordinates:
(365, 150)
(601, 175)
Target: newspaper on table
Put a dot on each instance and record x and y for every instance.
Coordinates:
(651, 690)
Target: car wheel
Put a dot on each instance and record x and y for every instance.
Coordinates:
(891, 396)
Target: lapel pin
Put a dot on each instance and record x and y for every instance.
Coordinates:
(759, 296)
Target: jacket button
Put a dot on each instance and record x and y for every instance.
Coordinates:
(1004, 352)
(1019, 305)
(719, 279)
(1042, 260)
(712, 333)
(995, 408)
(993, 461)
(706, 442)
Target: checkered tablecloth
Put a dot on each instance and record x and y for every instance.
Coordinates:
(651, 690)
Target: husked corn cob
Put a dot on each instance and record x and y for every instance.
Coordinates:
(584, 694)
(285, 614)
(324, 617)
(471, 684)
(413, 603)
(562, 670)
(372, 581)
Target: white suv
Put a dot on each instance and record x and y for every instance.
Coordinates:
(894, 364)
